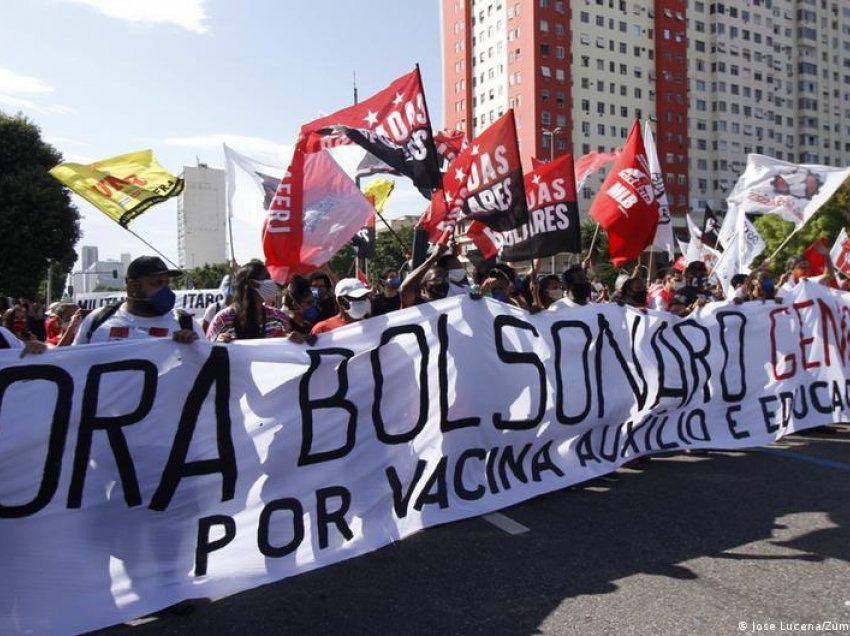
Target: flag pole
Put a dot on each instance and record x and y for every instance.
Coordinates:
(784, 243)
(168, 260)
(593, 241)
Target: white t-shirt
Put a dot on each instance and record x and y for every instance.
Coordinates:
(123, 325)
(10, 338)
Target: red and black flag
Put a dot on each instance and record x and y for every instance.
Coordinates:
(483, 184)
(393, 125)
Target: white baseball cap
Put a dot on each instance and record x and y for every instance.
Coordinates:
(352, 288)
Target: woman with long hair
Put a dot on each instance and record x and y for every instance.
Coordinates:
(301, 305)
(252, 314)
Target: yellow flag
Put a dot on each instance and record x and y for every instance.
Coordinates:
(121, 187)
(379, 191)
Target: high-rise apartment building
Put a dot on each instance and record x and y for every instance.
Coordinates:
(202, 218)
(718, 79)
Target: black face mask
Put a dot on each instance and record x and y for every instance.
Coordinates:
(639, 298)
(580, 292)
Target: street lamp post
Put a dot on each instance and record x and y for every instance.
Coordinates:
(551, 134)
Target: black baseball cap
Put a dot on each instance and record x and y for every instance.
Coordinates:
(149, 266)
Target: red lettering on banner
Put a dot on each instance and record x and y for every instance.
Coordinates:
(790, 359)
(158, 332)
(806, 314)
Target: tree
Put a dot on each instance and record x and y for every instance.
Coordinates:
(391, 251)
(600, 258)
(38, 222)
(207, 276)
(826, 222)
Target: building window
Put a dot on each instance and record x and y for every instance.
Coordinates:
(544, 26)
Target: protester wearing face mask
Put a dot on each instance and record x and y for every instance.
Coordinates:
(226, 290)
(500, 284)
(252, 314)
(455, 275)
(148, 311)
(549, 290)
(632, 292)
(427, 282)
(301, 305)
(352, 296)
(388, 299)
(576, 286)
(694, 293)
(322, 287)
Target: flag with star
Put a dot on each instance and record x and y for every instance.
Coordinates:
(553, 223)
(393, 125)
(483, 184)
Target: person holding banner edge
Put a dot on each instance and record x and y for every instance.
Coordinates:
(147, 312)
(252, 314)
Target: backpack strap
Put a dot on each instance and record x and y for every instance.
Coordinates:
(101, 317)
(185, 319)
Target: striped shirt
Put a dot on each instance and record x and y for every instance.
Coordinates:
(276, 324)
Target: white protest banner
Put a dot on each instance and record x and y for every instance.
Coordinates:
(134, 475)
(194, 301)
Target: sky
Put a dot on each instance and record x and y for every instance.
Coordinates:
(105, 77)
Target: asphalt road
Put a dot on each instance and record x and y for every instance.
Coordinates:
(717, 543)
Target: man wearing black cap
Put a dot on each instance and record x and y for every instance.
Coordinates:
(147, 312)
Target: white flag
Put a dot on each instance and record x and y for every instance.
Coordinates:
(794, 192)
(251, 185)
(664, 231)
(840, 253)
(740, 236)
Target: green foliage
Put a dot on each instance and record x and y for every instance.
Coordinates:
(391, 252)
(38, 222)
(207, 276)
(827, 222)
(342, 263)
(600, 257)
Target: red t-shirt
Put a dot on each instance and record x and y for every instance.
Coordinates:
(54, 330)
(334, 322)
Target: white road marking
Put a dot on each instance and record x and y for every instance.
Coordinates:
(505, 523)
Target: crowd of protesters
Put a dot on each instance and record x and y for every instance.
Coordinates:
(254, 306)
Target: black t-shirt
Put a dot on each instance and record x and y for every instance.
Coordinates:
(382, 304)
(689, 294)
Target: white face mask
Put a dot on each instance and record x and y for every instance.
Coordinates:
(357, 309)
(555, 294)
(456, 275)
(267, 289)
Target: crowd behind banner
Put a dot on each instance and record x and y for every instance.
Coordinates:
(202, 442)
(184, 470)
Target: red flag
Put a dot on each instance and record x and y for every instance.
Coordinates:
(483, 184)
(449, 143)
(625, 205)
(316, 210)
(393, 125)
(590, 163)
(817, 261)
